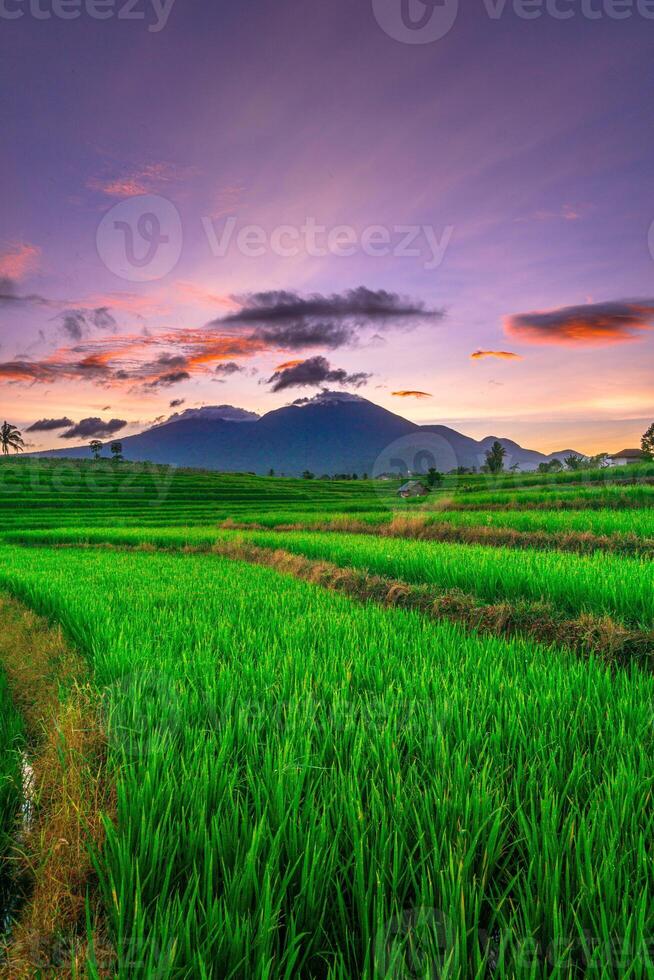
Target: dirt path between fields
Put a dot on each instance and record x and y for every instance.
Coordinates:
(67, 798)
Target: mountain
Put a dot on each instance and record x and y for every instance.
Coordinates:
(326, 434)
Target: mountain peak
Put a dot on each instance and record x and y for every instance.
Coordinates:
(213, 413)
(332, 432)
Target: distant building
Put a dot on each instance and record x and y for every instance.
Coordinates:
(412, 489)
(625, 457)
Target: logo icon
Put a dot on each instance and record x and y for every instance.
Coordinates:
(411, 458)
(416, 21)
(412, 944)
(140, 239)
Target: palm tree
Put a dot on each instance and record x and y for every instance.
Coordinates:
(495, 457)
(10, 438)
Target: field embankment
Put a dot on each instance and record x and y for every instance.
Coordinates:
(58, 797)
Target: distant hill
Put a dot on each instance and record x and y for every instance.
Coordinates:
(327, 434)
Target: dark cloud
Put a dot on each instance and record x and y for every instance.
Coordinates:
(93, 428)
(8, 294)
(314, 372)
(363, 303)
(170, 361)
(47, 425)
(78, 323)
(168, 379)
(231, 367)
(284, 321)
(302, 334)
(177, 402)
(294, 322)
(593, 324)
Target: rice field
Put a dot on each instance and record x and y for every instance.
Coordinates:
(301, 784)
(11, 742)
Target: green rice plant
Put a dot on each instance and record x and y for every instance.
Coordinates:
(309, 787)
(638, 522)
(573, 498)
(599, 583)
(11, 741)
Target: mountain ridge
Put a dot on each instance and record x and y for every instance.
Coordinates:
(323, 435)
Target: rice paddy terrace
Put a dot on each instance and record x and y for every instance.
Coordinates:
(272, 728)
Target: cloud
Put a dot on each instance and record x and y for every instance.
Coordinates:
(137, 180)
(176, 402)
(120, 359)
(267, 322)
(47, 425)
(284, 306)
(505, 355)
(93, 428)
(230, 367)
(225, 413)
(314, 372)
(289, 364)
(169, 379)
(411, 394)
(48, 372)
(169, 360)
(18, 259)
(301, 335)
(77, 323)
(290, 321)
(591, 325)
(227, 199)
(198, 294)
(567, 212)
(327, 397)
(9, 294)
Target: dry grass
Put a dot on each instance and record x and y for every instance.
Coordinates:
(70, 795)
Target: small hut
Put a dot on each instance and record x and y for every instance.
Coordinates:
(414, 488)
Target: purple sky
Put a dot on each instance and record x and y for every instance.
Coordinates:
(519, 151)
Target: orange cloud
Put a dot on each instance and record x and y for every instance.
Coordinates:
(139, 180)
(19, 259)
(591, 325)
(411, 394)
(136, 303)
(289, 364)
(227, 200)
(190, 291)
(133, 359)
(506, 355)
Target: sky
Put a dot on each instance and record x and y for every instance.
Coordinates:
(446, 209)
